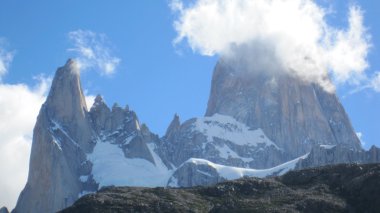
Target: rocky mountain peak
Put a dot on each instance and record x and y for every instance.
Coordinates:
(98, 99)
(174, 126)
(66, 99)
(99, 104)
(4, 210)
(66, 104)
(294, 114)
(269, 123)
(61, 139)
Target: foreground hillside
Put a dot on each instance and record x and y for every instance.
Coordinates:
(340, 188)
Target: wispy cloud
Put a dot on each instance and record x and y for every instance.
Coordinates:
(360, 136)
(6, 58)
(288, 35)
(375, 82)
(93, 51)
(368, 83)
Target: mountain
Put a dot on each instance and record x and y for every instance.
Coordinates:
(220, 139)
(255, 125)
(341, 188)
(76, 151)
(296, 115)
(61, 138)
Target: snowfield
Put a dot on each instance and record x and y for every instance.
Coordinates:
(111, 167)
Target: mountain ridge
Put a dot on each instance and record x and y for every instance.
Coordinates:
(338, 188)
(77, 150)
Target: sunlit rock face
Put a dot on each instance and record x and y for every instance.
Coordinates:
(294, 114)
(76, 151)
(62, 136)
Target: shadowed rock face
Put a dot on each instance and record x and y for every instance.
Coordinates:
(293, 114)
(322, 155)
(340, 188)
(4, 210)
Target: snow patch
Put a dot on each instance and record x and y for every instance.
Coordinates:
(231, 173)
(227, 128)
(225, 152)
(204, 173)
(327, 146)
(83, 178)
(57, 127)
(83, 193)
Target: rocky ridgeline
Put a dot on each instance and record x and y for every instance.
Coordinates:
(256, 125)
(340, 188)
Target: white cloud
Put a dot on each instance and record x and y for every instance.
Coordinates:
(375, 82)
(287, 35)
(93, 51)
(6, 58)
(19, 106)
(360, 136)
(90, 99)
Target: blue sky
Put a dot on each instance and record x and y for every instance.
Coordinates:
(154, 77)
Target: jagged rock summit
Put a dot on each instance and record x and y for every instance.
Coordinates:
(294, 114)
(61, 138)
(255, 125)
(76, 151)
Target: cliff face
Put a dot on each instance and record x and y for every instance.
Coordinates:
(61, 138)
(294, 114)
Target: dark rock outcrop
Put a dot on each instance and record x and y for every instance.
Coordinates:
(340, 188)
(4, 210)
(321, 155)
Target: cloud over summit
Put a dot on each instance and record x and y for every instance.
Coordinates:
(295, 33)
(93, 51)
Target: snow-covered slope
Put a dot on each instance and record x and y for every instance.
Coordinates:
(111, 167)
(220, 139)
(228, 129)
(203, 171)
